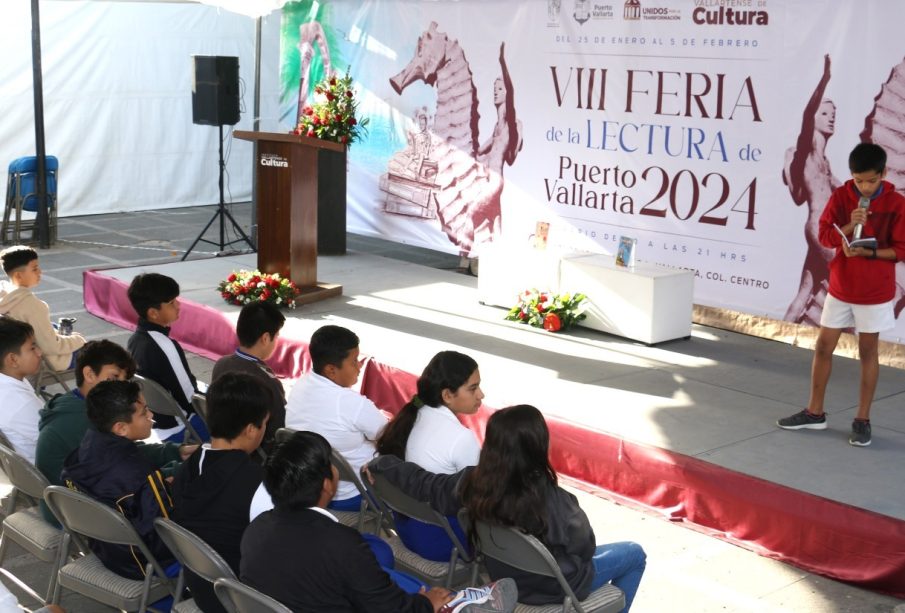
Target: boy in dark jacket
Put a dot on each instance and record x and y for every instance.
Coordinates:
(218, 489)
(160, 358)
(112, 467)
(64, 421)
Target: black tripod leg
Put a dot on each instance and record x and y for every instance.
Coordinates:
(198, 239)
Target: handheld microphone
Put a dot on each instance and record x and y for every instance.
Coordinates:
(863, 203)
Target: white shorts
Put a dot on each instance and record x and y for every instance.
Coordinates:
(863, 317)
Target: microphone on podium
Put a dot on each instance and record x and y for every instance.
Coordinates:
(863, 203)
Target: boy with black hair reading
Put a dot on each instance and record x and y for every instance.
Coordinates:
(299, 554)
(323, 402)
(218, 490)
(64, 419)
(258, 327)
(20, 263)
(20, 357)
(862, 283)
(155, 299)
(111, 466)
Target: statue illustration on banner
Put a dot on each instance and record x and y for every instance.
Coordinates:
(444, 171)
(810, 179)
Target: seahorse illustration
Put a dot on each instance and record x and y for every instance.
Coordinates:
(310, 33)
(469, 177)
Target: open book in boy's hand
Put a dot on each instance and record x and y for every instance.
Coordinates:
(868, 242)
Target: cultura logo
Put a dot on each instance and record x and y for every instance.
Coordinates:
(724, 16)
(632, 10)
(270, 159)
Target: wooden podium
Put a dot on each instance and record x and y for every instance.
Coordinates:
(301, 186)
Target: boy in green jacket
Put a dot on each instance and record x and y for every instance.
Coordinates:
(63, 420)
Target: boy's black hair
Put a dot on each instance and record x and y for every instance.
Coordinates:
(255, 319)
(295, 470)
(110, 402)
(235, 400)
(13, 334)
(149, 290)
(97, 354)
(866, 157)
(331, 345)
(17, 256)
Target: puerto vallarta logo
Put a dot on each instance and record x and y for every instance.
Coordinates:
(632, 10)
(582, 11)
(715, 13)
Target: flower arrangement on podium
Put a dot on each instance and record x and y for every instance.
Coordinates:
(552, 312)
(332, 115)
(245, 286)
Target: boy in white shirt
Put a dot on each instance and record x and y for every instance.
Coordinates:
(20, 357)
(323, 402)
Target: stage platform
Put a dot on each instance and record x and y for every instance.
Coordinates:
(686, 427)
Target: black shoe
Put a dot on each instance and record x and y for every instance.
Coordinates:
(804, 420)
(860, 436)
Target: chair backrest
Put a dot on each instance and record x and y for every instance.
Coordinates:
(397, 500)
(47, 376)
(237, 597)
(22, 474)
(84, 515)
(199, 403)
(159, 400)
(4, 440)
(347, 473)
(29, 163)
(523, 551)
(401, 502)
(192, 552)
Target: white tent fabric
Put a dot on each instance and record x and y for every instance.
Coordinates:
(251, 8)
(118, 100)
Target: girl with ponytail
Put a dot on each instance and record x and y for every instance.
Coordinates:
(427, 431)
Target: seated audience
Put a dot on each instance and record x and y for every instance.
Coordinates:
(218, 490)
(301, 555)
(514, 485)
(111, 466)
(323, 402)
(20, 357)
(427, 432)
(258, 326)
(160, 358)
(20, 264)
(64, 420)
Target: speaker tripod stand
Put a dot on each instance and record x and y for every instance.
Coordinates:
(222, 214)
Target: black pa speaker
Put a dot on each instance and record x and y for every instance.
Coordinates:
(215, 90)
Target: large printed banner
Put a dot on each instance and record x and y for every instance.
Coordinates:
(712, 131)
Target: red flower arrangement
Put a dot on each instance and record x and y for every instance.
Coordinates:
(245, 286)
(552, 312)
(332, 116)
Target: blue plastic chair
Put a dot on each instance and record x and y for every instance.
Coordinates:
(21, 196)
